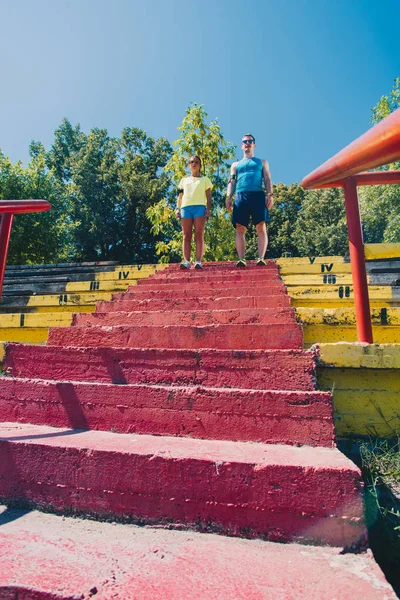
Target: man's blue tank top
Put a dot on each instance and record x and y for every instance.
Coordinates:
(249, 176)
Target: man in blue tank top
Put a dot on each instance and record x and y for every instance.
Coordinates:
(250, 182)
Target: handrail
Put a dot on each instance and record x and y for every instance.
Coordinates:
(379, 146)
(367, 178)
(9, 208)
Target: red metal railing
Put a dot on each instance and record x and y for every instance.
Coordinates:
(9, 208)
(377, 147)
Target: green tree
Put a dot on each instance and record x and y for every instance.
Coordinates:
(288, 202)
(380, 205)
(111, 182)
(387, 103)
(321, 228)
(37, 237)
(206, 140)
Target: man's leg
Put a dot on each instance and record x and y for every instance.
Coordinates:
(262, 240)
(241, 240)
(187, 237)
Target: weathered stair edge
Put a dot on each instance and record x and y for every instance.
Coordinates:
(142, 479)
(255, 369)
(209, 413)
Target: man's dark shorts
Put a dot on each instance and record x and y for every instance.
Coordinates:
(249, 204)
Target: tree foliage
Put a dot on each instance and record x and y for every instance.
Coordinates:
(321, 228)
(380, 205)
(37, 237)
(113, 198)
(206, 140)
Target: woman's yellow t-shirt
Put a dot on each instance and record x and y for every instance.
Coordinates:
(194, 190)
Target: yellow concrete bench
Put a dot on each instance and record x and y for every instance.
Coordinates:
(365, 380)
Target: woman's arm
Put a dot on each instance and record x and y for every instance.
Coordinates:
(178, 205)
(208, 196)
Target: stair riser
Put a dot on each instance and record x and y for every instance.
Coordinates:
(229, 337)
(280, 417)
(287, 503)
(171, 291)
(292, 370)
(195, 280)
(128, 302)
(190, 318)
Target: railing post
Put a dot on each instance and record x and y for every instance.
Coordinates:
(5, 233)
(359, 271)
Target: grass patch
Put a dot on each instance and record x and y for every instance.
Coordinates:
(380, 463)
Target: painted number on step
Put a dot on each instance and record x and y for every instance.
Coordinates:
(344, 291)
(330, 278)
(94, 285)
(123, 274)
(326, 268)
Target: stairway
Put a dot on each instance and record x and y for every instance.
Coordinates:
(186, 402)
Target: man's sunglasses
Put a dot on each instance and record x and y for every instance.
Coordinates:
(194, 162)
(247, 141)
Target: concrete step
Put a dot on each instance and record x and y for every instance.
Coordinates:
(139, 293)
(267, 416)
(181, 317)
(225, 266)
(207, 288)
(225, 337)
(130, 302)
(51, 557)
(276, 492)
(165, 277)
(255, 369)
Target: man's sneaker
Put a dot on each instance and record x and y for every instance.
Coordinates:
(185, 264)
(198, 265)
(241, 263)
(261, 262)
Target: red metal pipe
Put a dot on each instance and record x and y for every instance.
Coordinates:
(5, 233)
(367, 178)
(359, 272)
(23, 206)
(8, 208)
(378, 146)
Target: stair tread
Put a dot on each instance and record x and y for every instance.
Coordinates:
(138, 563)
(254, 453)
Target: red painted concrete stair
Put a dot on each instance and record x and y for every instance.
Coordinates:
(48, 557)
(186, 401)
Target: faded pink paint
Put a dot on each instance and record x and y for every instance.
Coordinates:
(224, 337)
(243, 316)
(47, 557)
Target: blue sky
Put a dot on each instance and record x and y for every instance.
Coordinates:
(300, 75)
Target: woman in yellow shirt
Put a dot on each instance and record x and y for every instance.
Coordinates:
(193, 208)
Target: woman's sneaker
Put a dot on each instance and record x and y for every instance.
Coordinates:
(198, 265)
(261, 262)
(185, 264)
(241, 263)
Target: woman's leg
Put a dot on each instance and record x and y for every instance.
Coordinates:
(199, 225)
(187, 225)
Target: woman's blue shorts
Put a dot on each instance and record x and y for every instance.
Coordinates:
(191, 212)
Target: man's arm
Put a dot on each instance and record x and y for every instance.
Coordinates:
(231, 187)
(269, 195)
